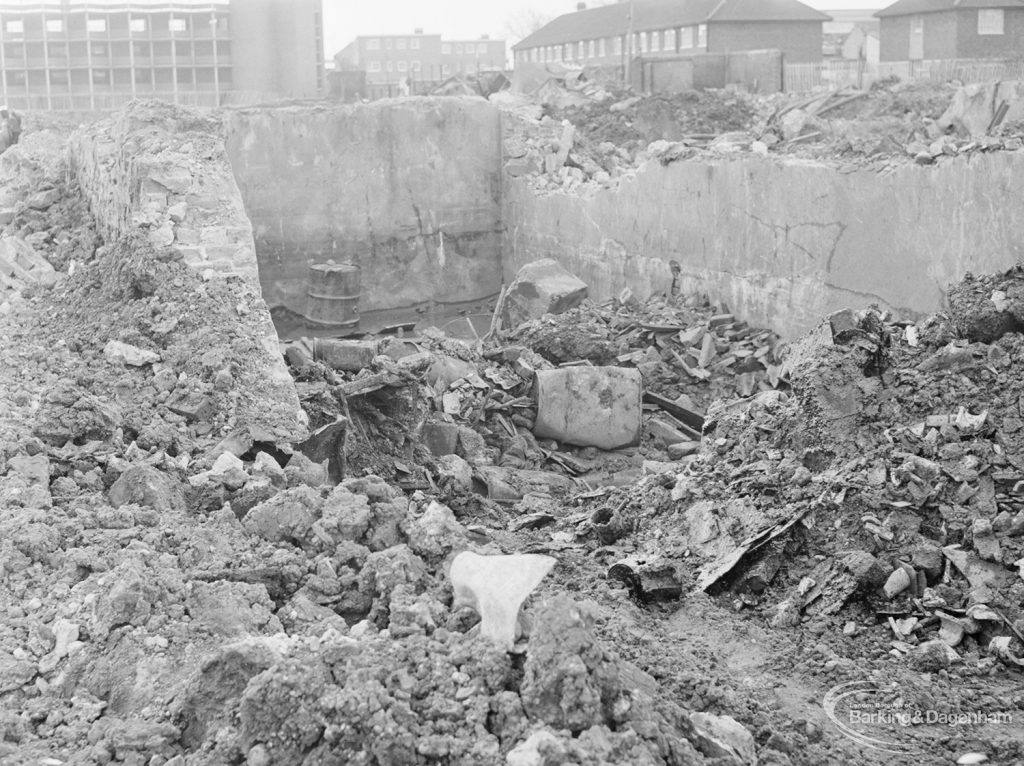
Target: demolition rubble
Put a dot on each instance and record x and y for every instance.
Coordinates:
(628, 531)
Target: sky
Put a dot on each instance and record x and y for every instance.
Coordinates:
(346, 19)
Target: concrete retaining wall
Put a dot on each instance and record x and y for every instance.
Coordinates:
(163, 169)
(407, 189)
(782, 242)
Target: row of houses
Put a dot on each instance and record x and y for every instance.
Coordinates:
(906, 30)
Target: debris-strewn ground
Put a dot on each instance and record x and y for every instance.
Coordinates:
(178, 589)
(573, 134)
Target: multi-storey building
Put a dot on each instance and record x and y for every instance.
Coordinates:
(392, 58)
(98, 54)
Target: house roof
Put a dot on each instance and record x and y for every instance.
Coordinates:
(915, 7)
(613, 20)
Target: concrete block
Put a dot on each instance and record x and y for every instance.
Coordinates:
(44, 200)
(590, 406)
(345, 355)
(541, 287)
(440, 438)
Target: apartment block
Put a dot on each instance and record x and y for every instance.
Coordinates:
(391, 58)
(92, 54)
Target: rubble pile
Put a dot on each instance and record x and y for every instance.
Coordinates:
(593, 142)
(633, 532)
(886, 487)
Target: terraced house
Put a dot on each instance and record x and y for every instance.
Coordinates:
(915, 30)
(604, 36)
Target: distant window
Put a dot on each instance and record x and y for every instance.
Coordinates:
(618, 46)
(655, 41)
(702, 36)
(686, 37)
(96, 25)
(458, 49)
(400, 44)
(415, 66)
(177, 25)
(15, 27)
(602, 50)
(54, 25)
(481, 48)
(593, 49)
(446, 69)
(58, 77)
(446, 49)
(390, 66)
(101, 76)
(388, 42)
(990, 21)
(99, 50)
(580, 54)
(670, 40)
(373, 45)
(643, 42)
(403, 66)
(137, 25)
(374, 66)
(414, 44)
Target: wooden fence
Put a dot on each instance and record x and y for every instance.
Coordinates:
(799, 78)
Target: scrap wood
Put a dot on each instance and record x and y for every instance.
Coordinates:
(402, 373)
(693, 421)
(715, 571)
(841, 102)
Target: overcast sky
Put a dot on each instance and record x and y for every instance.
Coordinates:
(346, 19)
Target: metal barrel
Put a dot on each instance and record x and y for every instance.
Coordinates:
(332, 299)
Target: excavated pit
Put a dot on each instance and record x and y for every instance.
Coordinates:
(181, 586)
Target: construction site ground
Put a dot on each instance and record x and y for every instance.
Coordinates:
(847, 516)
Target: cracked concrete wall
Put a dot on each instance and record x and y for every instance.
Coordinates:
(407, 189)
(163, 169)
(782, 242)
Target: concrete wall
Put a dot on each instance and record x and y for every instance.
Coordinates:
(409, 190)
(782, 242)
(163, 170)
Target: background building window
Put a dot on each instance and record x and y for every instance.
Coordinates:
(655, 42)
(137, 25)
(458, 49)
(481, 48)
(702, 36)
(602, 50)
(54, 25)
(373, 45)
(414, 44)
(374, 66)
(15, 27)
(96, 25)
(686, 37)
(618, 46)
(400, 43)
(446, 49)
(178, 25)
(403, 66)
(990, 21)
(415, 66)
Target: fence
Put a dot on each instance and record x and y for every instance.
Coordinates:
(860, 74)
